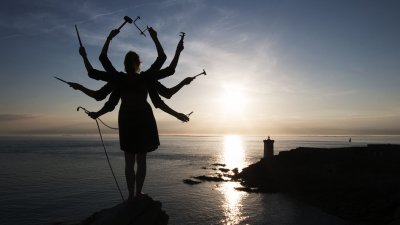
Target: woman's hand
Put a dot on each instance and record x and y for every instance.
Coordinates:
(182, 117)
(152, 32)
(180, 46)
(112, 34)
(93, 115)
(75, 86)
(188, 80)
(82, 51)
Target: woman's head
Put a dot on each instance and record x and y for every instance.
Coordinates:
(132, 62)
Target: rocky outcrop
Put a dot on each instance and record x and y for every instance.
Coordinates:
(359, 184)
(191, 182)
(220, 174)
(145, 211)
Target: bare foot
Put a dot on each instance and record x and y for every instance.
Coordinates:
(141, 195)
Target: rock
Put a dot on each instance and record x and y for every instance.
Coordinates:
(191, 182)
(248, 189)
(224, 170)
(219, 164)
(235, 171)
(395, 222)
(359, 184)
(204, 168)
(210, 178)
(145, 211)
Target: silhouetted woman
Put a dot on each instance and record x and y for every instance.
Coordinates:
(137, 126)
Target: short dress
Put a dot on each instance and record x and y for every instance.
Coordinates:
(138, 131)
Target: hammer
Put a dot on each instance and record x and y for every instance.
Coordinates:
(182, 35)
(202, 73)
(69, 83)
(85, 110)
(141, 31)
(79, 38)
(189, 114)
(127, 20)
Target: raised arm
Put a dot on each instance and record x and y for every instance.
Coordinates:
(105, 62)
(109, 105)
(93, 73)
(86, 61)
(170, 70)
(98, 95)
(156, 66)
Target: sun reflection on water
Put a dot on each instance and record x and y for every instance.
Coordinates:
(233, 154)
(233, 157)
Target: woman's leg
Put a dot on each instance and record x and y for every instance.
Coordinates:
(130, 173)
(141, 172)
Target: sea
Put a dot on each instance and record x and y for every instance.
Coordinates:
(64, 179)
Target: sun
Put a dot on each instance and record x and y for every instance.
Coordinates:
(233, 101)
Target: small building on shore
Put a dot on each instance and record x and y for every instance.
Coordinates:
(268, 149)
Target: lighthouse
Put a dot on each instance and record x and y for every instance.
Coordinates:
(268, 149)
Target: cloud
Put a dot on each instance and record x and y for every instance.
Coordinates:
(37, 18)
(15, 117)
(9, 36)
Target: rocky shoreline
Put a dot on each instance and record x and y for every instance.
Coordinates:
(144, 211)
(359, 184)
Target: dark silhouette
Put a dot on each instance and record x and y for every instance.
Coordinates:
(141, 31)
(147, 211)
(137, 126)
(202, 73)
(69, 83)
(360, 184)
(79, 37)
(127, 19)
(107, 89)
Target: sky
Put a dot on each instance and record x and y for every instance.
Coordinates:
(274, 67)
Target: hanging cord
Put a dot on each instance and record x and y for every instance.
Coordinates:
(104, 147)
(113, 128)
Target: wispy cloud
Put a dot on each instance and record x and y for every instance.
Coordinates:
(38, 18)
(9, 36)
(16, 117)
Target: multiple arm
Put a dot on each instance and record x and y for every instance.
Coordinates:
(101, 75)
(88, 66)
(178, 51)
(156, 66)
(168, 92)
(151, 81)
(94, 74)
(180, 116)
(159, 103)
(108, 106)
(102, 93)
(153, 86)
(105, 62)
(170, 70)
(155, 98)
(99, 95)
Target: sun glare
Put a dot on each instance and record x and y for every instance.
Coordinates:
(233, 101)
(234, 154)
